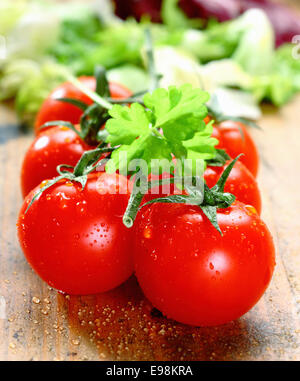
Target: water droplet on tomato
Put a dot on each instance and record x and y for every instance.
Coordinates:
(147, 232)
(44, 183)
(250, 210)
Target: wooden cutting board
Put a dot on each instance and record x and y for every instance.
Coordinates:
(37, 323)
(40, 324)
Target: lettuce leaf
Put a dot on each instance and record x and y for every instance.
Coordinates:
(10, 13)
(110, 46)
(255, 49)
(36, 88)
(283, 80)
(133, 77)
(174, 17)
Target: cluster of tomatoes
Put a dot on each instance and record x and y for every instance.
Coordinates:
(74, 237)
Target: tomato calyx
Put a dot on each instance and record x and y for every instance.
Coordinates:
(218, 116)
(223, 118)
(140, 188)
(219, 160)
(208, 199)
(88, 162)
(95, 115)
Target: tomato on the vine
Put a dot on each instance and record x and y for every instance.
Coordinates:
(193, 274)
(52, 109)
(235, 139)
(75, 239)
(240, 182)
(59, 145)
(55, 146)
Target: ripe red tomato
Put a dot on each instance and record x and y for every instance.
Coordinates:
(52, 109)
(235, 139)
(58, 145)
(193, 274)
(75, 239)
(240, 182)
(55, 146)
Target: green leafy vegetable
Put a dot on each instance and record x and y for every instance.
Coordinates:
(29, 72)
(171, 118)
(174, 17)
(43, 40)
(282, 82)
(10, 13)
(201, 146)
(110, 46)
(133, 77)
(77, 40)
(36, 88)
(214, 43)
(256, 45)
(127, 124)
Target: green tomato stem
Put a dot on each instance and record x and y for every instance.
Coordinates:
(94, 96)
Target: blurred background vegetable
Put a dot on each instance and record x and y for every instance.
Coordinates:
(225, 47)
(285, 23)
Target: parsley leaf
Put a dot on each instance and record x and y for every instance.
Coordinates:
(170, 124)
(127, 123)
(201, 146)
(172, 107)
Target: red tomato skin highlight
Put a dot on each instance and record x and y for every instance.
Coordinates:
(240, 182)
(55, 146)
(75, 239)
(52, 109)
(235, 139)
(192, 274)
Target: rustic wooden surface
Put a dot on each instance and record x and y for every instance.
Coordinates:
(41, 324)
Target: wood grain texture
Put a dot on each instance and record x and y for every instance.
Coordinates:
(38, 323)
(41, 324)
